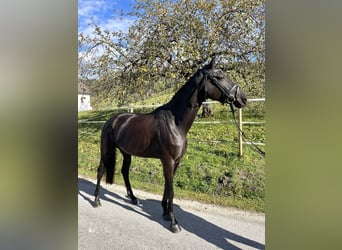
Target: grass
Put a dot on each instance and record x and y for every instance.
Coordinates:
(211, 170)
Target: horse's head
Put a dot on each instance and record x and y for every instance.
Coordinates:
(218, 87)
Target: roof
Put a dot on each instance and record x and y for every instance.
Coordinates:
(83, 89)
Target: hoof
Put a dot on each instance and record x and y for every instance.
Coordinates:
(97, 204)
(135, 202)
(175, 228)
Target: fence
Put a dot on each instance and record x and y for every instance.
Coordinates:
(240, 121)
(240, 124)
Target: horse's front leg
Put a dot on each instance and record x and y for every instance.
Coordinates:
(164, 205)
(169, 167)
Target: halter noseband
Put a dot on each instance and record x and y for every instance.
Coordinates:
(214, 81)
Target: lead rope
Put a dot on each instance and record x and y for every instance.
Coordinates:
(261, 152)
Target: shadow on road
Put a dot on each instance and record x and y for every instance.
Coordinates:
(188, 221)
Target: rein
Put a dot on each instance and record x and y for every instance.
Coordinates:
(257, 149)
(228, 92)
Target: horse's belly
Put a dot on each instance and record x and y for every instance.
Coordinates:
(141, 151)
(139, 143)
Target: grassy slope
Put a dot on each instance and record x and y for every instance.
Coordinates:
(211, 155)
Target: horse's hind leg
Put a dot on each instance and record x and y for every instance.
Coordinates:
(125, 172)
(100, 172)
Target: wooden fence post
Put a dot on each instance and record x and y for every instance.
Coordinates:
(240, 132)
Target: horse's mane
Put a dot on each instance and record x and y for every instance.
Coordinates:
(179, 96)
(190, 86)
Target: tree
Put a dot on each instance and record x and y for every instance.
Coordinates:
(171, 39)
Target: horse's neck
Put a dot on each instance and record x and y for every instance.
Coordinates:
(187, 110)
(190, 114)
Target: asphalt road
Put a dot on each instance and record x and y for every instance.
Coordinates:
(118, 224)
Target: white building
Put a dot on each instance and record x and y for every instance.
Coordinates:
(83, 97)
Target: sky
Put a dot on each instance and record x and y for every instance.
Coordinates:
(102, 13)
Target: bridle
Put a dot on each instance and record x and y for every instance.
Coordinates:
(230, 99)
(229, 92)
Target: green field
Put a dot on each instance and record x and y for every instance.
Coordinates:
(210, 171)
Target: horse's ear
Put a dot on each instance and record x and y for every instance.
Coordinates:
(212, 63)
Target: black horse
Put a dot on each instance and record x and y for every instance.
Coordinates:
(162, 133)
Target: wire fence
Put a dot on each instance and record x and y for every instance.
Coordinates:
(241, 123)
(251, 111)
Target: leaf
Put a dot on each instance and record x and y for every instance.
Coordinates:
(169, 40)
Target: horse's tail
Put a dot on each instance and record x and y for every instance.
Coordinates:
(108, 152)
